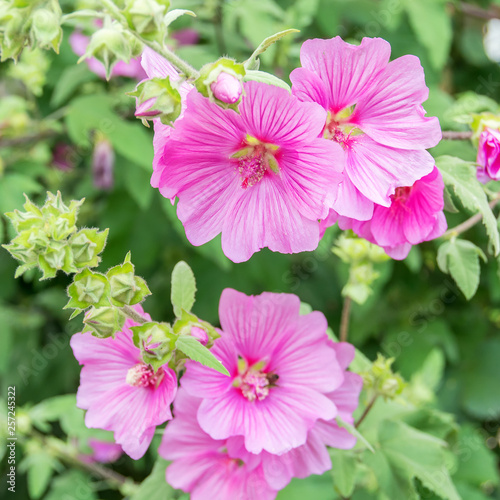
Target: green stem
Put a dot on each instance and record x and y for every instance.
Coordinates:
(472, 221)
(369, 406)
(132, 314)
(344, 321)
(179, 63)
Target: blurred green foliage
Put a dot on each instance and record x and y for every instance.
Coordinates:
(447, 348)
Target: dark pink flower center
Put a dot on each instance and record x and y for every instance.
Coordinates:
(401, 194)
(143, 375)
(253, 382)
(255, 160)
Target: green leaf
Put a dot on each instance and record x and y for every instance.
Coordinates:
(352, 430)
(343, 471)
(40, 466)
(72, 78)
(183, 288)
(194, 350)
(412, 453)
(460, 259)
(12, 187)
(154, 487)
(262, 76)
(432, 26)
(74, 485)
(461, 176)
(250, 63)
(95, 112)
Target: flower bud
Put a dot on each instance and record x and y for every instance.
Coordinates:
(46, 28)
(103, 161)
(227, 88)
(88, 289)
(157, 98)
(222, 81)
(103, 321)
(126, 287)
(488, 156)
(199, 334)
(146, 15)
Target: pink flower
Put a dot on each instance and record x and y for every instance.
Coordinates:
(120, 392)
(104, 451)
(415, 215)
(488, 156)
(313, 457)
(204, 466)
(282, 367)
(132, 69)
(227, 88)
(186, 36)
(375, 112)
(262, 178)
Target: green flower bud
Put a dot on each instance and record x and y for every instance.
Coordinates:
(46, 28)
(109, 45)
(146, 16)
(104, 321)
(381, 379)
(86, 245)
(156, 341)
(13, 36)
(88, 289)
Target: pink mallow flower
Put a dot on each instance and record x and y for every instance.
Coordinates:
(282, 367)
(262, 177)
(415, 215)
(488, 156)
(374, 112)
(119, 391)
(204, 466)
(201, 464)
(132, 69)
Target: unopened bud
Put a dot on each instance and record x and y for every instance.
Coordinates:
(199, 334)
(227, 88)
(103, 161)
(46, 28)
(104, 321)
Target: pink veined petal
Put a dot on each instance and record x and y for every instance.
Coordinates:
(262, 217)
(391, 112)
(440, 226)
(272, 115)
(377, 170)
(345, 353)
(257, 325)
(351, 202)
(160, 139)
(328, 221)
(346, 397)
(361, 228)
(334, 436)
(398, 252)
(311, 176)
(387, 226)
(276, 424)
(205, 207)
(157, 66)
(307, 86)
(310, 458)
(187, 472)
(347, 70)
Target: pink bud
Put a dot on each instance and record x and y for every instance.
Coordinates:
(199, 334)
(227, 88)
(63, 156)
(488, 156)
(103, 161)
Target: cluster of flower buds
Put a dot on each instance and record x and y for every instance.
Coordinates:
(361, 255)
(36, 23)
(381, 380)
(48, 238)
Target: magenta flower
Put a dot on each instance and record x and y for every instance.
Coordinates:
(375, 112)
(132, 69)
(262, 178)
(282, 368)
(202, 465)
(488, 156)
(415, 215)
(120, 392)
